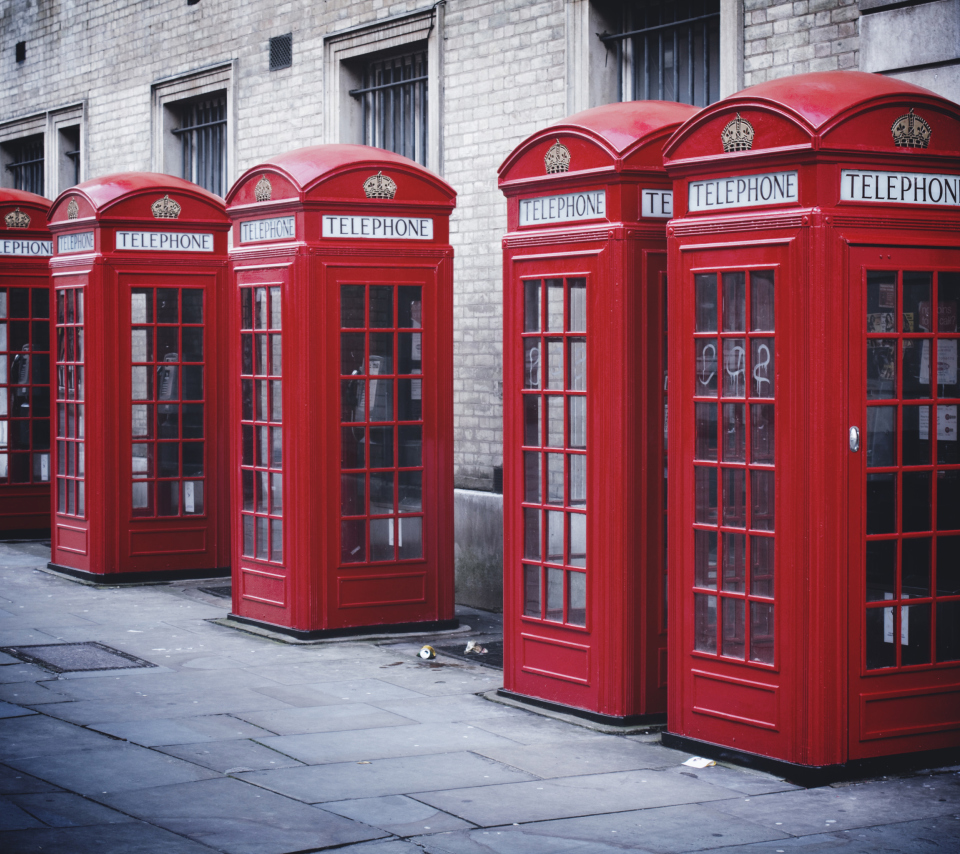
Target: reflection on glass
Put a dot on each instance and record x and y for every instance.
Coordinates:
(381, 306)
(555, 479)
(554, 305)
(531, 477)
(352, 541)
(882, 368)
(554, 364)
(881, 503)
(761, 566)
(531, 533)
(734, 486)
(531, 591)
(948, 630)
(705, 420)
(733, 567)
(577, 412)
(706, 367)
(411, 491)
(705, 495)
(531, 363)
(948, 500)
(734, 628)
(381, 539)
(915, 634)
(948, 445)
(761, 632)
(763, 373)
(275, 311)
(276, 540)
(762, 434)
(578, 479)
(351, 306)
(916, 504)
(531, 306)
(578, 539)
(734, 433)
(916, 441)
(410, 307)
(734, 302)
(916, 368)
(352, 493)
(704, 623)
(554, 595)
(762, 500)
(705, 559)
(734, 367)
(915, 568)
(881, 301)
(411, 537)
(882, 436)
(531, 420)
(917, 304)
(578, 364)
(577, 599)
(555, 421)
(578, 305)
(761, 301)
(411, 445)
(881, 569)
(705, 289)
(555, 519)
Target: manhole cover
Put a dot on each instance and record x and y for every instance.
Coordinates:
(75, 657)
(224, 590)
(493, 657)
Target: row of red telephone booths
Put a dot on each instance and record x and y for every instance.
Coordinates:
(800, 552)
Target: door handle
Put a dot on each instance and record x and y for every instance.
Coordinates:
(854, 438)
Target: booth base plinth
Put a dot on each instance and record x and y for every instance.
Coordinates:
(812, 776)
(606, 723)
(124, 579)
(291, 635)
(14, 534)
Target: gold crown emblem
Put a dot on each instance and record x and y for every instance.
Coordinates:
(165, 208)
(17, 219)
(737, 135)
(73, 209)
(557, 158)
(263, 192)
(379, 186)
(910, 131)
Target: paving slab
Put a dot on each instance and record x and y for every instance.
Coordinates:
(456, 707)
(398, 814)
(117, 767)
(741, 780)
(320, 783)
(513, 841)
(13, 817)
(298, 695)
(14, 782)
(12, 710)
(24, 673)
(325, 718)
(364, 691)
(182, 730)
(231, 756)
(33, 693)
(383, 743)
(8, 659)
(531, 728)
(40, 734)
(386, 846)
(130, 838)
(64, 809)
(572, 796)
(238, 818)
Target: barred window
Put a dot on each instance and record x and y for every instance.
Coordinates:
(393, 96)
(203, 141)
(26, 163)
(669, 50)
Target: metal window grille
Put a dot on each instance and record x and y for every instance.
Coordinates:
(394, 103)
(281, 52)
(203, 139)
(26, 164)
(669, 50)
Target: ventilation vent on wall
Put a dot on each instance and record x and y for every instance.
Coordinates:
(281, 52)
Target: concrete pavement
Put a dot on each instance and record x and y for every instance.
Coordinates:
(218, 740)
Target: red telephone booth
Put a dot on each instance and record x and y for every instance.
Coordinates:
(137, 276)
(584, 412)
(25, 249)
(815, 469)
(341, 422)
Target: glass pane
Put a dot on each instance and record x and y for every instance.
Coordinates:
(761, 566)
(531, 533)
(763, 375)
(761, 301)
(246, 355)
(276, 355)
(410, 488)
(555, 421)
(352, 494)
(915, 568)
(577, 377)
(734, 367)
(554, 363)
(381, 447)
(555, 521)
(275, 308)
(246, 400)
(141, 461)
(351, 309)
(881, 503)
(168, 498)
(705, 288)
(192, 382)
(882, 435)
(352, 541)
(352, 400)
(381, 306)
(193, 459)
(410, 445)
(276, 400)
(734, 433)
(705, 495)
(554, 305)
(192, 414)
(916, 368)
(247, 445)
(881, 569)
(881, 651)
(735, 498)
(168, 305)
(531, 591)
(531, 312)
(916, 504)
(881, 301)
(531, 420)
(578, 305)
(578, 539)
(381, 493)
(192, 337)
(141, 421)
(578, 480)
(762, 434)
(917, 442)
(948, 631)
(734, 562)
(168, 421)
(577, 602)
(411, 537)
(948, 446)
(948, 500)
(948, 298)
(381, 539)
(915, 634)
(140, 497)
(705, 559)
(276, 540)
(141, 383)
(141, 306)
(761, 632)
(410, 402)
(734, 302)
(193, 496)
(260, 352)
(410, 307)
(881, 368)
(531, 477)
(917, 304)
(706, 362)
(577, 429)
(948, 566)
(246, 312)
(247, 488)
(555, 479)
(705, 415)
(762, 500)
(705, 623)
(734, 629)
(192, 306)
(554, 595)
(531, 363)
(141, 345)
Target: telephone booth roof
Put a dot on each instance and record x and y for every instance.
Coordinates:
(33, 206)
(845, 112)
(615, 137)
(20, 198)
(120, 197)
(336, 173)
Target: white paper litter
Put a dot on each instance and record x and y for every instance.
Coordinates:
(699, 762)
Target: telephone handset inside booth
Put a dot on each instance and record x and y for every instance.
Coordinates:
(20, 378)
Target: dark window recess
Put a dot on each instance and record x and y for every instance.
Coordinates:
(192, 2)
(498, 480)
(668, 50)
(203, 140)
(281, 52)
(26, 163)
(21, 51)
(394, 103)
(70, 141)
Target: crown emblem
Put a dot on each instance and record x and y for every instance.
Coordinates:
(17, 219)
(73, 209)
(910, 131)
(165, 208)
(557, 158)
(263, 192)
(737, 135)
(379, 186)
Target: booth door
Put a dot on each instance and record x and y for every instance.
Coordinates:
(905, 501)
(389, 364)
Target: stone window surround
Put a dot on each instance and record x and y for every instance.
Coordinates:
(49, 123)
(342, 112)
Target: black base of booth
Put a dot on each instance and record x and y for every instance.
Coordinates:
(115, 579)
(812, 776)
(321, 634)
(24, 534)
(594, 717)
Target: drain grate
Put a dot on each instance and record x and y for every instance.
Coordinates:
(76, 657)
(492, 658)
(224, 591)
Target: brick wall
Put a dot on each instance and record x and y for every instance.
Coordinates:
(780, 38)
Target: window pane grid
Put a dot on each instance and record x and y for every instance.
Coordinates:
(554, 403)
(261, 393)
(381, 417)
(71, 448)
(26, 164)
(912, 560)
(734, 476)
(24, 385)
(203, 142)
